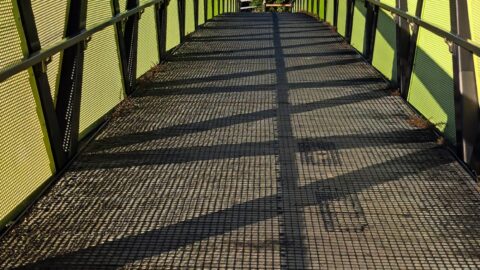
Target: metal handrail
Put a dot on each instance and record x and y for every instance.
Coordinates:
(468, 45)
(68, 42)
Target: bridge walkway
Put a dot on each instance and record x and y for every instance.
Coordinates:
(264, 142)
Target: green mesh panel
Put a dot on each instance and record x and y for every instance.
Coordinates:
(215, 7)
(147, 42)
(315, 6)
(474, 10)
(201, 12)
(384, 56)
(412, 6)
(431, 88)
(391, 3)
(102, 87)
(358, 27)
(173, 27)
(50, 21)
(189, 17)
(342, 17)
(209, 9)
(101, 70)
(321, 10)
(329, 11)
(25, 156)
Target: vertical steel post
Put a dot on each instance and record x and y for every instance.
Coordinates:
(195, 13)
(32, 41)
(71, 74)
(122, 48)
(403, 48)
(181, 19)
(349, 23)
(370, 30)
(131, 45)
(466, 98)
(162, 29)
(412, 49)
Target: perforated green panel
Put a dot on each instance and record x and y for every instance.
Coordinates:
(25, 161)
(201, 12)
(215, 7)
(412, 6)
(474, 11)
(122, 4)
(50, 21)
(189, 17)
(384, 56)
(342, 17)
(330, 10)
(391, 3)
(173, 27)
(209, 9)
(431, 88)
(321, 10)
(147, 42)
(98, 12)
(358, 27)
(102, 86)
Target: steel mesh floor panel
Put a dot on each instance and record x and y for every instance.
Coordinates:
(265, 142)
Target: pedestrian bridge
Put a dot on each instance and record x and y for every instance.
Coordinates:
(260, 141)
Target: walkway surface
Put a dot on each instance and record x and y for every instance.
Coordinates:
(264, 143)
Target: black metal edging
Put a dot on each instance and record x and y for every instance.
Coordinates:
(68, 42)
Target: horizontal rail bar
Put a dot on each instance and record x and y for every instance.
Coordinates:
(68, 42)
(466, 44)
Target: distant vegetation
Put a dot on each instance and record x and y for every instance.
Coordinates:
(259, 4)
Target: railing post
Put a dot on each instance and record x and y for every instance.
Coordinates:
(131, 45)
(71, 73)
(32, 41)
(370, 30)
(466, 98)
(195, 11)
(335, 13)
(181, 19)
(161, 23)
(349, 23)
(403, 48)
(122, 48)
(412, 48)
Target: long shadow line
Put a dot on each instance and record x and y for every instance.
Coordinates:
(403, 139)
(200, 57)
(222, 77)
(190, 128)
(173, 237)
(296, 46)
(161, 89)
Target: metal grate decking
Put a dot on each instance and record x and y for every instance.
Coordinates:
(264, 143)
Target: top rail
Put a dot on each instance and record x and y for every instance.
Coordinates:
(68, 42)
(466, 44)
